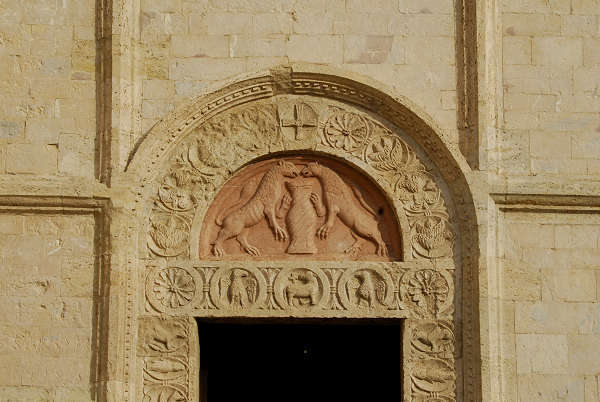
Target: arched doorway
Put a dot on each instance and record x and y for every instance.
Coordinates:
(206, 164)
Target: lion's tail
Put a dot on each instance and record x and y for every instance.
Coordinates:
(362, 201)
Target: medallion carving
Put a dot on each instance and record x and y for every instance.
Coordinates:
(238, 288)
(301, 288)
(171, 289)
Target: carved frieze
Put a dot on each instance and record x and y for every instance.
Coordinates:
(329, 290)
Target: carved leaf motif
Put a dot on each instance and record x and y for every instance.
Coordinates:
(428, 289)
(169, 237)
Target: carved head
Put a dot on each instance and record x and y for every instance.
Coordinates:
(238, 273)
(287, 169)
(311, 170)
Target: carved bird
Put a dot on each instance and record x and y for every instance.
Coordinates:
(167, 235)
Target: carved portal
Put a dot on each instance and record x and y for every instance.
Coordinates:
(297, 206)
(300, 207)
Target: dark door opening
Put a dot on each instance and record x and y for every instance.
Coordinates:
(300, 362)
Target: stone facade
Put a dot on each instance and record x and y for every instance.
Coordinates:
(473, 125)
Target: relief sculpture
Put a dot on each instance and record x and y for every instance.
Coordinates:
(310, 210)
(339, 202)
(262, 204)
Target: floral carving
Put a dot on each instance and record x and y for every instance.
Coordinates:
(168, 237)
(428, 289)
(174, 287)
(432, 238)
(347, 131)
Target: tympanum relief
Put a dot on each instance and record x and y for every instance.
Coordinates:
(299, 207)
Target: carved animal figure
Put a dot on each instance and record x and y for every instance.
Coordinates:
(262, 204)
(240, 291)
(366, 290)
(302, 285)
(339, 201)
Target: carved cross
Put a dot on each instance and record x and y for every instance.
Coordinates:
(303, 117)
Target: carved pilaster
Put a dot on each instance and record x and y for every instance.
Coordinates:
(169, 359)
(429, 372)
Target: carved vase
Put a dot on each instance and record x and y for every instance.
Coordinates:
(301, 220)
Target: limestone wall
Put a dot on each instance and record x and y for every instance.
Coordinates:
(551, 312)
(539, 115)
(46, 307)
(187, 45)
(550, 120)
(47, 90)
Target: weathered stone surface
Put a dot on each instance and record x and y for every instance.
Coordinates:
(95, 109)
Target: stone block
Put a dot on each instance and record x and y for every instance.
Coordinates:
(542, 354)
(583, 354)
(12, 131)
(312, 23)
(11, 224)
(536, 6)
(591, 52)
(426, 6)
(161, 6)
(244, 46)
(75, 155)
(586, 145)
(367, 49)
(205, 68)
(558, 51)
(530, 102)
(15, 39)
(157, 89)
(550, 145)
(517, 120)
(440, 50)
(557, 318)
(586, 79)
(530, 24)
(520, 281)
(20, 393)
(592, 388)
(516, 50)
(218, 23)
(358, 23)
(586, 7)
(579, 25)
(531, 235)
(200, 46)
(20, 158)
(315, 49)
(271, 24)
(570, 285)
(545, 388)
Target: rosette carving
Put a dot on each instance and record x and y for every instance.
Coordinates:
(347, 131)
(172, 289)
